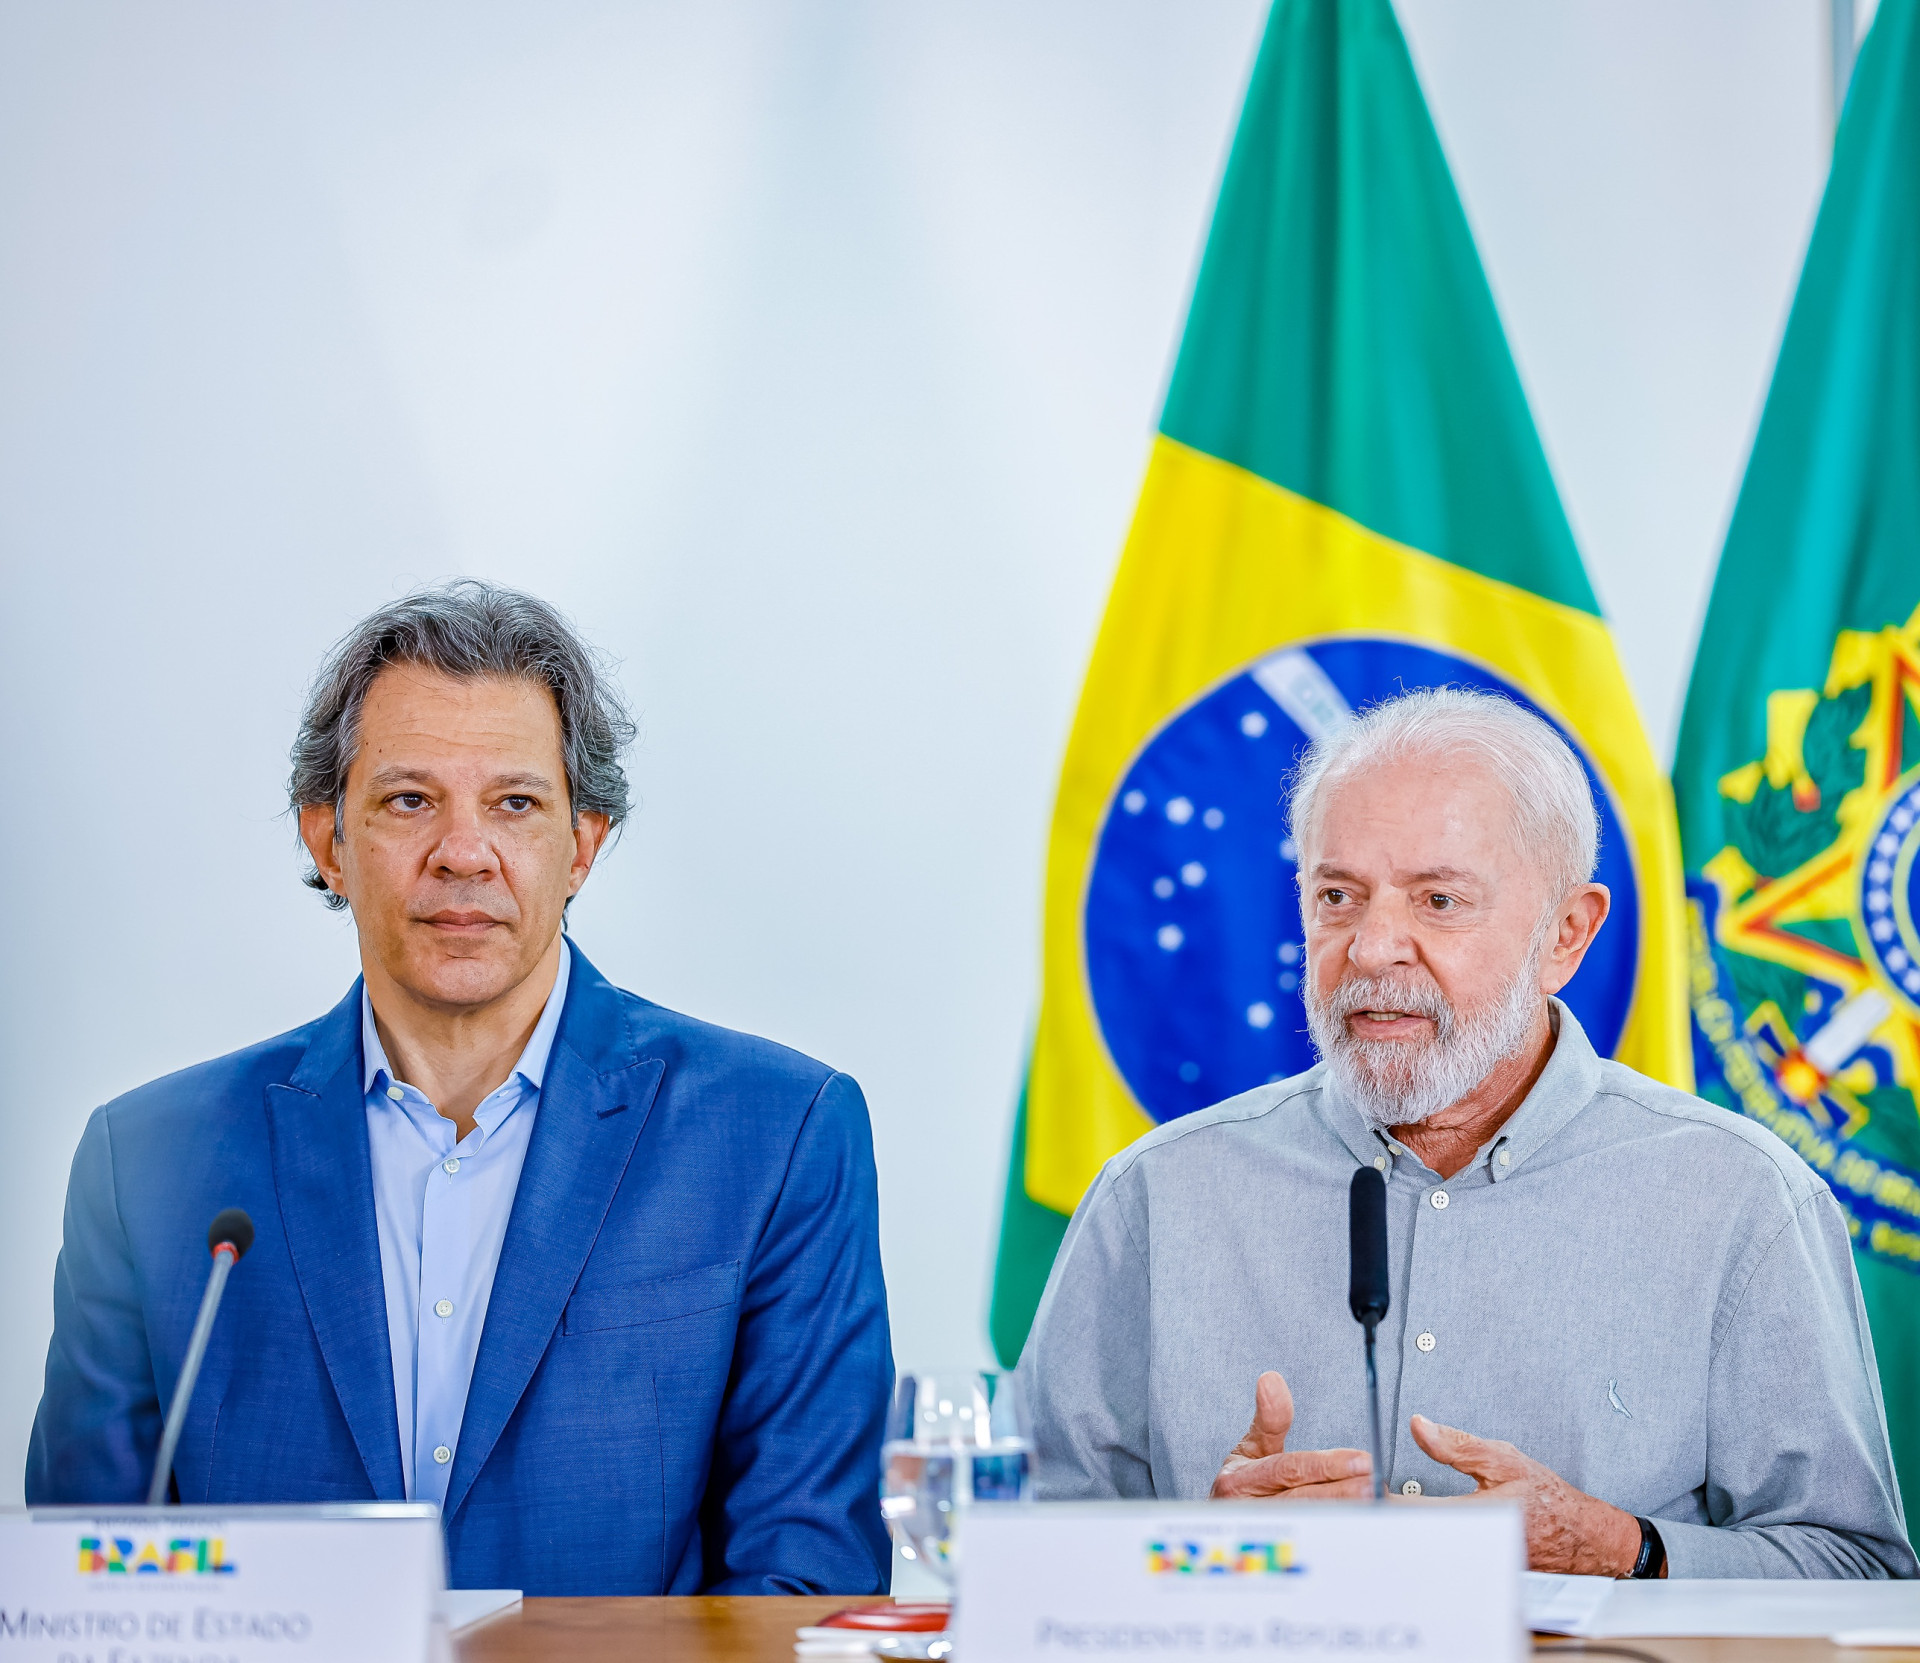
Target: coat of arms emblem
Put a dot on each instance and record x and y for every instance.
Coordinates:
(1805, 947)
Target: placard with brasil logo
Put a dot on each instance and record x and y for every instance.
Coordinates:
(1798, 771)
(238, 1584)
(1346, 498)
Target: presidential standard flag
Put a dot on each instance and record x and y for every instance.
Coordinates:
(1346, 498)
(1798, 770)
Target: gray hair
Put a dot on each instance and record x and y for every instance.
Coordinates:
(465, 628)
(1553, 808)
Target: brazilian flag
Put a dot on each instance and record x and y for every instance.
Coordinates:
(1798, 771)
(1346, 498)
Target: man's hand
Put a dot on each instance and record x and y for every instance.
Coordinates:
(1567, 1530)
(1261, 1465)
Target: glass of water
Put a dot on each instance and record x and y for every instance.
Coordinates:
(954, 1439)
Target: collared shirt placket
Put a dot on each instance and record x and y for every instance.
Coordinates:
(448, 1302)
(1440, 1217)
(446, 1236)
(441, 1208)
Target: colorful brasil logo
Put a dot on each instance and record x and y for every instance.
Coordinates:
(182, 1556)
(1222, 1557)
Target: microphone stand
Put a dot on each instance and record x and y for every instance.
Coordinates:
(225, 1256)
(1369, 1296)
(1373, 1411)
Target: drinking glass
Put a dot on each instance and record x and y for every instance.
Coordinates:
(954, 1439)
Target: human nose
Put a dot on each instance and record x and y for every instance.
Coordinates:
(464, 850)
(1382, 940)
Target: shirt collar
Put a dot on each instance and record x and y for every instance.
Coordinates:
(531, 1067)
(1566, 1085)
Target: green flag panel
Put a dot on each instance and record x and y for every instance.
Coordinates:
(1797, 776)
(1341, 315)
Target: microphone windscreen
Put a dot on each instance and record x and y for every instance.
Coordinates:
(1367, 1242)
(232, 1228)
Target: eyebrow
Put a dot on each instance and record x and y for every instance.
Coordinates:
(1324, 870)
(394, 774)
(398, 774)
(1433, 874)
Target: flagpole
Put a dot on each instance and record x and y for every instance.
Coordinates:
(1840, 49)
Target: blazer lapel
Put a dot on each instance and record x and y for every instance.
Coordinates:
(594, 1100)
(323, 1173)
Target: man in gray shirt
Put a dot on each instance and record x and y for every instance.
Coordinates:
(1629, 1311)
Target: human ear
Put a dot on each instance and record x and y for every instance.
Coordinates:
(316, 832)
(590, 831)
(1579, 921)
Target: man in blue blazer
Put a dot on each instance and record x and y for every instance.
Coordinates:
(601, 1280)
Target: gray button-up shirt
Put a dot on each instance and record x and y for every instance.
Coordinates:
(1653, 1296)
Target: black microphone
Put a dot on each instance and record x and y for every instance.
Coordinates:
(229, 1236)
(1367, 1295)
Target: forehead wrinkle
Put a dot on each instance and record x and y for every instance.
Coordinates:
(1509, 835)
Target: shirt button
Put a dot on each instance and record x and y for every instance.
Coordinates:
(1379, 1163)
(1411, 1487)
(444, 1308)
(443, 1455)
(1426, 1342)
(450, 1165)
(1506, 1157)
(395, 1093)
(1439, 1198)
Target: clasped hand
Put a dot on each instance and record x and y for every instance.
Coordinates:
(1568, 1531)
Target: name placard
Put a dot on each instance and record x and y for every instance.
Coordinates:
(219, 1585)
(1042, 1582)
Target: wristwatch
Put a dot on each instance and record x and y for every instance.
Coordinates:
(1653, 1554)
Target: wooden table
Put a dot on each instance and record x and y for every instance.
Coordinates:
(761, 1631)
(718, 1630)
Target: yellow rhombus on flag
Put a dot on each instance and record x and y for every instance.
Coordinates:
(1346, 499)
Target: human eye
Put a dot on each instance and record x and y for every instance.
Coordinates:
(517, 803)
(407, 802)
(1444, 903)
(1334, 897)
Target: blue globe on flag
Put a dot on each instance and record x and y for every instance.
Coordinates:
(1193, 942)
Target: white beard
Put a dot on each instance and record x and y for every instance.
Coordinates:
(1393, 1083)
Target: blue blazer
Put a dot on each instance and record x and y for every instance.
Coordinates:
(682, 1382)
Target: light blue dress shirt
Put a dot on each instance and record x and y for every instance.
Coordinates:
(441, 1208)
(1653, 1296)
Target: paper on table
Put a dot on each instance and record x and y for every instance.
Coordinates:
(930, 1645)
(1562, 1604)
(461, 1608)
(1752, 1610)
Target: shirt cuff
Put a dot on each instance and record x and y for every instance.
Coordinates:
(1781, 1550)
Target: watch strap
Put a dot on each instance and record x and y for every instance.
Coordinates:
(1652, 1559)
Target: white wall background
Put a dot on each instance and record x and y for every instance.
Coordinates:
(806, 353)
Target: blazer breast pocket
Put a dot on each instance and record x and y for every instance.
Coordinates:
(593, 1310)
